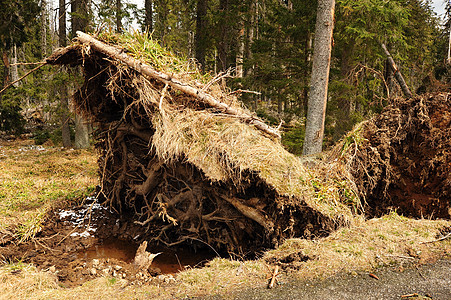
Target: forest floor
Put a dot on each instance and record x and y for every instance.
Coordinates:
(57, 243)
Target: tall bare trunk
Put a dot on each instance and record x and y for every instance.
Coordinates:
(200, 38)
(240, 52)
(223, 44)
(14, 70)
(148, 21)
(80, 22)
(5, 59)
(252, 24)
(65, 130)
(322, 47)
(44, 28)
(81, 133)
(118, 16)
(449, 44)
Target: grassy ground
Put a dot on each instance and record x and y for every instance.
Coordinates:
(33, 181)
(36, 179)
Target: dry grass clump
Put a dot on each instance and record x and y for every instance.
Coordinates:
(220, 145)
(366, 245)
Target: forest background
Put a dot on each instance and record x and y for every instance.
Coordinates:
(258, 45)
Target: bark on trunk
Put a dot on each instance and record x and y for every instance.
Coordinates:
(80, 22)
(118, 16)
(148, 22)
(174, 83)
(320, 77)
(240, 53)
(223, 45)
(14, 70)
(201, 32)
(81, 133)
(5, 59)
(44, 28)
(65, 130)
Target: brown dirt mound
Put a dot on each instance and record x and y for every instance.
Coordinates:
(403, 161)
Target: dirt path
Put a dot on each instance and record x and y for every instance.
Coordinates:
(431, 281)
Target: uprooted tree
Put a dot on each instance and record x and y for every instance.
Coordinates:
(184, 156)
(191, 163)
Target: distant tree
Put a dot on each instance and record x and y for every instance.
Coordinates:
(16, 20)
(80, 21)
(148, 12)
(62, 89)
(201, 32)
(118, 16)
(322, 47)
(448, 26)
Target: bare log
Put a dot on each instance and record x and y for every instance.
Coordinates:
(148, 70)
(397, 73)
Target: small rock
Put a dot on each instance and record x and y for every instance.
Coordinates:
(169, 279)
(124, 275)
(52, 269)
(117, 267)
(95, 262)
(114, 273)
(93, 271)
(161, 277)
(106, 271)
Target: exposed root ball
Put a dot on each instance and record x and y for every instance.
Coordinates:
(190, 172)
(403, 158)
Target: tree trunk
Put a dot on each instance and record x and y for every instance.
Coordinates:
(223, 44)
(252, 24)
(44, 28)
(80, 22)
(65, 130)
(240, 52)
(200, 39)
(118, 16)
(148, 21)
(14, 70)
(448, 60)
(322, 47)
(81, 133)
(5, 59)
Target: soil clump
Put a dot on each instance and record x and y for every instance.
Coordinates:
(401, 159)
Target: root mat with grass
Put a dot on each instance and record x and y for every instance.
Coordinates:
(182, 154)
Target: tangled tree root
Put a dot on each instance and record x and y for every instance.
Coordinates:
(401, 159)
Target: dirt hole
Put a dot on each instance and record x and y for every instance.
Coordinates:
(89, 241)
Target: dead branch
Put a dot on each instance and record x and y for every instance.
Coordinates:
(29, 72)
(273, 278)
(397, 73)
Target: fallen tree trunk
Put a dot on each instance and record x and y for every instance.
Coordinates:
(147, 70)
(397, 73)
